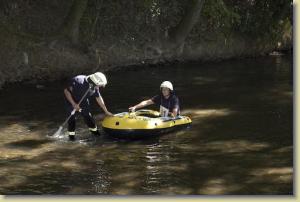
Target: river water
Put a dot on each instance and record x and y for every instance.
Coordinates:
(240, 142)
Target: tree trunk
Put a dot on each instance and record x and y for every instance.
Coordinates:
(181, 31)
(72, 21)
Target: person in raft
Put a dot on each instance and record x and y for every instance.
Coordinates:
(167, 101)
(75, 90)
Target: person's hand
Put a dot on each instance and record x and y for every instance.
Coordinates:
(131, 109)
(108, 113)
(77, 107)
(172, 115)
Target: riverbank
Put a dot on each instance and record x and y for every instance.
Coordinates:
(35, 61)
(53, 40)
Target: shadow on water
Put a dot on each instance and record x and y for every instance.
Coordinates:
(30, 144)
(240, 142)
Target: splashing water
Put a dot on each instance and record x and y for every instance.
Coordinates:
(57, 134)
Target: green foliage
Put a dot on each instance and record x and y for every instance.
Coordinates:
(261, 17)
(218, 16)
(264, 20)
(140, 21)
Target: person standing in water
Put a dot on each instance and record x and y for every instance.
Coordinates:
(75, 90)
(167, 101)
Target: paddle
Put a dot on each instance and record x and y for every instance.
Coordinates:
(58, 132)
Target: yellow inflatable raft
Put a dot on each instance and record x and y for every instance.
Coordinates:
(142, 123)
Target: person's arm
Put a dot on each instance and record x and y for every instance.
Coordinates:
(71, 100)
(101, 103)
(141, 105)
(175, 104)
(174, 113)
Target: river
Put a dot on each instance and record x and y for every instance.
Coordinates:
(240, 141)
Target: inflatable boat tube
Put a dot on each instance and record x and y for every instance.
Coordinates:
(142, 124)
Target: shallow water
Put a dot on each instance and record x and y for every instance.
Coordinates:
(240, 142)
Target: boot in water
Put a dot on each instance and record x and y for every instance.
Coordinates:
(96, 133)
(72, 136)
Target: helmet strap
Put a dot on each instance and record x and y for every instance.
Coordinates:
(91, 83)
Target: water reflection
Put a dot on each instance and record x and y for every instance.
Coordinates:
(154, 159)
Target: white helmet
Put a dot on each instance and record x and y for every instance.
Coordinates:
(98, 79)
(166, 84)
